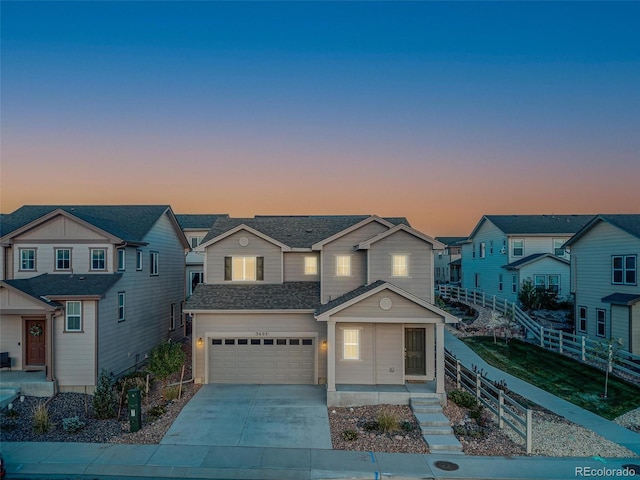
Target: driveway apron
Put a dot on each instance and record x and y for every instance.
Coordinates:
(286, 416)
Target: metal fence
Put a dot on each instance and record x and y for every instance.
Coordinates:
(508, 411)
(579, 347)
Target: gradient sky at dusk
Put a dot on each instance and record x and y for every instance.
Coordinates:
(440, 112)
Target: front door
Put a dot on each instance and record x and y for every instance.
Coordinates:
(36, 342)
(414, 363)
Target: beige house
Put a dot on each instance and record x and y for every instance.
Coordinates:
(345, 301)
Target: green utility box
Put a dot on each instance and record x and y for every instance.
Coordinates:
(135, 410)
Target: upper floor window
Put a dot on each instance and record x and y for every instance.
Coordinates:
(310, 265)
(153, 263)
(122, 255)
(400, 266)
(601, 322)
(557, 247)
(245, 269)
(28, 259)
(196, 279)
(623, 270)
(138, 259)
(351, 344)
(343, 265)
(98, 259)
(582, 319)
(121, 300)
(195, 241)
(63, 259)
(491, 247)
(483, 248)
(518, 247)
(473, 250)
(73, 316)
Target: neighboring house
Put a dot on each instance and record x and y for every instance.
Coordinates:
(86, 288)
(502, 251)
(604, 279)
(446, 262)
(195, 228)
(341, 300)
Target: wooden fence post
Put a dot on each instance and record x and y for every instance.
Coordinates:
(466, 295)
(529, 430)
(494, 303)
(478, 386)
(500, 409)
(541, 336)
(560, 342)
(458, 374)
(584, 348)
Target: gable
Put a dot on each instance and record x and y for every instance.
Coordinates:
(62, 227)
(401, 307)
(13, 301)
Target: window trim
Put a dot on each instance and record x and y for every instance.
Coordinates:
(582, 319)
(198, 240)
(258, 272)
(555, 249)
(355, 343)
(513, 247)
(104, 260)
(310, 268)
(624, 270)
(405, 258)
(346, 268)
(121, 255)
(34, 259)
(57, 250)
(153, 263)
(483, 249)
(121, 306)
(139, 260)
(66, 317)
(172, 317)
(500, 282)
(602, 323)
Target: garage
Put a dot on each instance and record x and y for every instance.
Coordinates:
(270, 360)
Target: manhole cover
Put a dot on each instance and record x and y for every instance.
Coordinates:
(635, 468)
(448, 466)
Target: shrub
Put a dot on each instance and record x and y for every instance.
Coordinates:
(13, 413)
(156, 411)
(172, 393)
(476, 412)
(166, 359)
(387, 422)
(407, 426)
(104, 399)
(350, 435)
(72, 424)
(370, 426)
(41, 420)
(463, 399)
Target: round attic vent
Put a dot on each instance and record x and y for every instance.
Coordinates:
(385, 303)
(244, 241)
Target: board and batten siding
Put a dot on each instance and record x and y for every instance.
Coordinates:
(419, 281)
(256, 325)
(294, 267)
(147, 301)
(230, 247)
(332, 285)
(591, 258)
(75, 352)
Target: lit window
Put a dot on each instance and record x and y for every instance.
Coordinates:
(343, 265)
(582, 319)
(138, 259)
(244, 269)
(400, 266)
(120, 306)
(351, 344)
(518, 247)
(601, 322)
(98, 259)
(310, 265)
(74, 316)
(63, 259)
(623, 270)
(28, 259)
(153, 258)
(121, 258)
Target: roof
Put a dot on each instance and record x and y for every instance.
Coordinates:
(456, 262)
(533, 258)
(127, 222)
(629, 223)
(65, 285)
(295, 231)
(367, 243)
(270, 296)
(450, 241)
(198, 221)
(348, 296)
(536, 224)
(621, 298)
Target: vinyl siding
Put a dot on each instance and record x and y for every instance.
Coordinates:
(61, 228)
(547, 266)
(294, 267)
(11, 338)
(389, 354)
(75, 358)
(230, 246)
(635, 329)
(401, 308)
(537, 244)
(620, 323)
(46, 257)
(359, 371)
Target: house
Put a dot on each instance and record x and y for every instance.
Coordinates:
(604, 279)
(447, 262)
(502, 251)
(345, 301)
(195, 227)
(86, 288)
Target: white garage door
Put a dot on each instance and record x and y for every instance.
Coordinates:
(262, 360)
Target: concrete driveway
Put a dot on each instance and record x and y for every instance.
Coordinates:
(287, 416)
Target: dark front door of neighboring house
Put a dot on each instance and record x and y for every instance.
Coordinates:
(36, 342)
(414, 363)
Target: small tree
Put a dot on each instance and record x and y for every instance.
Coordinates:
(104, 399)
(166, 359)
(609, 352)
(529, 295)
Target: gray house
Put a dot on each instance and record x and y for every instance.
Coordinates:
(89, 287)
(341, 300)
(447, 262)
(604, 279)
(504, 250)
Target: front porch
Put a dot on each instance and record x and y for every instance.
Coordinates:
(351, 395)
(17, 382)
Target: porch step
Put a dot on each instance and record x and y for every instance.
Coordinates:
(437, 431)
(424, 401)
(435, 426)
(8, 395)
(434, 419)
(443, 444)
(427, 408)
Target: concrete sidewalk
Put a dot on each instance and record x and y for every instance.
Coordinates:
(606, 428)
(107, 461)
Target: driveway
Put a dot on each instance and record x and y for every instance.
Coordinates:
(287, 416)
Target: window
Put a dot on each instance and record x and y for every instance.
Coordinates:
(172, 316)
(181, 313)
(121, 258)
(343, 265)
(73, 317)
(196, 279)
(553, 283)
(582, 319)
(500, 282)
(63, 259)
(351, 344)
(310, 265)
(518, 247)
(28, 259)
(477, 280)
(623, 270)
(557, 247)
(138, 259)
(514, 283)
(195, 241)
(98, 259)
(153, 263)
(491, 247)
(483, 248)
(473, 250)
(244, 269)
(400, 266)
(120, 306)
(601, 322)
(540, 281)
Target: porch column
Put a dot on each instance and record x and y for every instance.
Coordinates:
(331, 356)
(49, 346)
(440, 358)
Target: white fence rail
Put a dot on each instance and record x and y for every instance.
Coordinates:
(508, 411)
(580, 347)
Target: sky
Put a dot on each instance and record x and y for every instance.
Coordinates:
(437, 111)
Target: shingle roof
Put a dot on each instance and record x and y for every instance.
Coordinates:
(127, 222)
(450, 241)
(630, 223)
(539, 224)
(348, 296)
(532, 258)
(295, 231)
(196, 220)
(276, 296)
(64, 285)
(621, 298)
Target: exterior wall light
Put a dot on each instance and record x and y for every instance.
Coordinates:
(199, 341)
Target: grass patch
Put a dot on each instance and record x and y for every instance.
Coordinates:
(562, 376)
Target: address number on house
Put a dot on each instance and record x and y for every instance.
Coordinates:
(262, 334)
